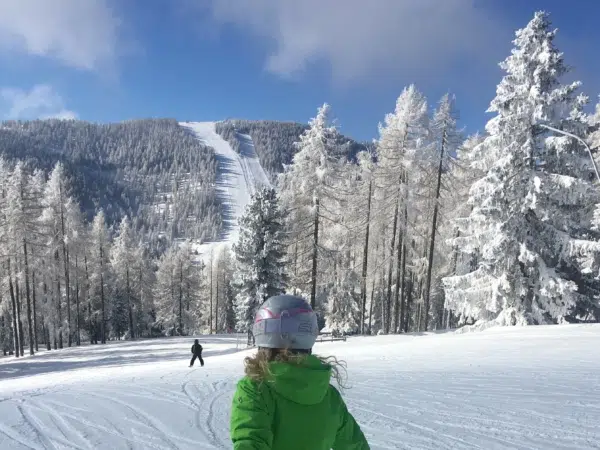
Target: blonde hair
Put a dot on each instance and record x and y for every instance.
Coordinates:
(257, 368)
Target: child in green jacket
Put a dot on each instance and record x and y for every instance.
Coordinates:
(285, 401)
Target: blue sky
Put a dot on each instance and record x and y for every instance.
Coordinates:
(112, 60)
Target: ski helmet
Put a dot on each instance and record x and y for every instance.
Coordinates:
(285, 321)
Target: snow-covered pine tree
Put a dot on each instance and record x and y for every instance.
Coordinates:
(361, 208)
(343, 310)
(55, 198)
(9, 307)
(177, 291)
(37, 184)
(593, 140)
(76, 240)
(23, 212)
(445, 141)
(470, 166)
(259, 254)
(403, 160)
(306, 186)
(224, 292)
(99, 272)
(144, 278)
(594, 132)
(531, 218)
(122, 262)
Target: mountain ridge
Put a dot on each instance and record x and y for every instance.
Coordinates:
(153, 170)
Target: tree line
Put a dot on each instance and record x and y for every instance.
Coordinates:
(65, 281)
(153, 171)
(433, 229)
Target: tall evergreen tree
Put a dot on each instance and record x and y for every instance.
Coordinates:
(122, 262)
(23, 212)
(259, 253)
(531, 215)
(99, 272)
(401, 190)
(445, 141)
(177, 291)
(306, 186)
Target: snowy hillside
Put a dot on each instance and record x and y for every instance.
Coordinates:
(238, 176)
(517, 388)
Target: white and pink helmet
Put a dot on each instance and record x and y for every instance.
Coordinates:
(286, 322)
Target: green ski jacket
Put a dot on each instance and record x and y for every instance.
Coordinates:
(295, 410)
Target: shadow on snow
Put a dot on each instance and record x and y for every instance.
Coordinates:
(117, 354)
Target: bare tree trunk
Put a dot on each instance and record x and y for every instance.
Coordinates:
(129, 306)
(373, 291)
(388, 298)
(397, 286)
(28, 299)
(217, 299)
(60, 322)
(433, 233)
(313, 276)
(35, 324)
(403, 289)
(409, 303)
(78, 318)
(210, 318)
(371, 306)
(67, 291)
(65, 252)
(91, 324)
(46, 330)
(102, 302)
(15, 287)
(363, 284)
(180, 297)
(142, 299)
(13, 301)
(58, 301)
(44, 334)
(5, 349)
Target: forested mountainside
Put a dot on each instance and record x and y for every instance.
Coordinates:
(274, 141)
(153, 170)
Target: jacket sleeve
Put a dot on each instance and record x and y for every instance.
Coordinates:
(192, 349)
(251, 417)
(349, 435)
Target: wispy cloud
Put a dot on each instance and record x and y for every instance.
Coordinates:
(41, 102)
(359, 38)
(80, 33)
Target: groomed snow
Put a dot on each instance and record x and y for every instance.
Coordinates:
(519, 388)
(238, 177)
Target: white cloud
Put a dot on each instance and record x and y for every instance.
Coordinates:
(359, 38)
(41, 102)
(80, 33)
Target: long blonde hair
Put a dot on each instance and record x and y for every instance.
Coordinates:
(257, 368)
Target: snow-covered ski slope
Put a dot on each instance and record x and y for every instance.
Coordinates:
(238, 177)
(518, 388)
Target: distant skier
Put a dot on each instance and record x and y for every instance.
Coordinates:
(286, 401)
(197, 353)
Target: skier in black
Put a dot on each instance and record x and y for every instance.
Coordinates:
(197, 352)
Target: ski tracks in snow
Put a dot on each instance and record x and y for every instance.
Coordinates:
(426, 393)
(123, 417)
(208, 403)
